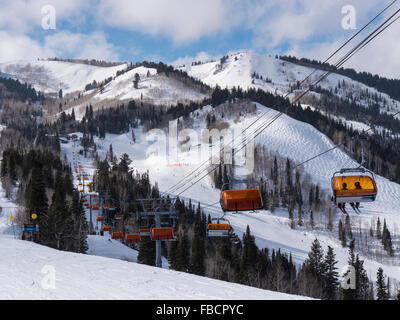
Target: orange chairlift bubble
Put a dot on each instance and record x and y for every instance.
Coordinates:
(219, 227)
(241, 200)
(145, 231)
(354, 185)
(132, 237)
(163, 233)
(117, 235)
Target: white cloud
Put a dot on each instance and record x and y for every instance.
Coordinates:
(301, 21)
(22, 16)
(180, 20)
(382, 55)
(17, 46)
(378, 57)
(187, 60)
(60, 44)
(81, 46)
(313, 29)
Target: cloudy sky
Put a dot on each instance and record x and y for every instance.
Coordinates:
(180, 31)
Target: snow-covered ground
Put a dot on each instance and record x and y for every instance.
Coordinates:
(290, 138)
(29, 271)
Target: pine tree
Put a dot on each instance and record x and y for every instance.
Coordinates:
(384, 233)
(183, 253)
(317, 199)
(124, 163)
(136, 81)
(311, 275)
(275, 172)
(378, 229)
(36, 200)
(330, 222)
(59, 221)
(387, 239)
(342, 234)
(312, 219)
(381, 289)
(300, 215)
(249, 255)
(363, 289)
(172, 252)
(80, 225)
(147, 252)
(348, 227)
(330, 275)
(311, 197)
(314, 262)
(197, 258)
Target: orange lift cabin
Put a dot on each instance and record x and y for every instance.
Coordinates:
(118, 216)
(100, 219)
(145, 231)
(354, 185)
(117, 235)
(164, 233)
(132, 237)
(107, 228)
(241, 200)
(219, 228)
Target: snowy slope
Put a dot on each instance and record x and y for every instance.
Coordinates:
(290, 138)
(51, 76)
(239, 68)
(151, 87)
(26, 269)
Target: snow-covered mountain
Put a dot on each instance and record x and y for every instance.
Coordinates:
(251, 70)
(242, 69)
(51, 76)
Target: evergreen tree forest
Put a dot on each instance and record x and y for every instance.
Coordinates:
(43, 186)
(382, 84)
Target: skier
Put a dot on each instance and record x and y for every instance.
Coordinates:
(342, 206)
(356, 207)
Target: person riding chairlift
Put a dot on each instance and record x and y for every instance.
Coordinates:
(358, 187)
(342, 205)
